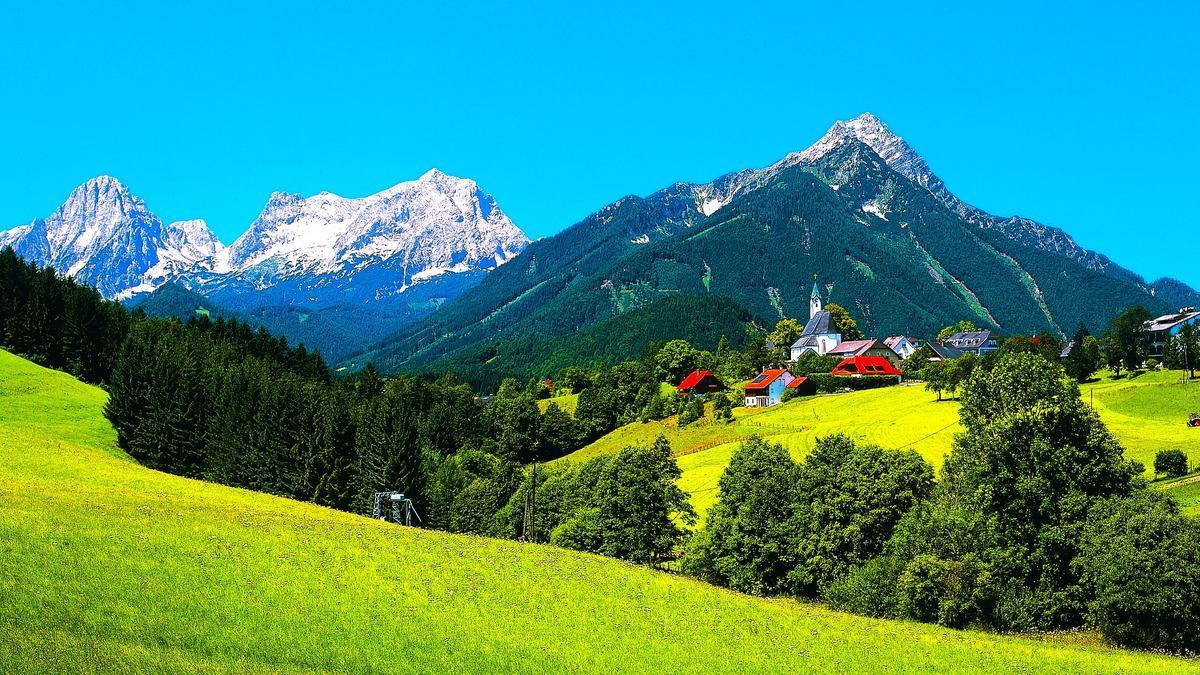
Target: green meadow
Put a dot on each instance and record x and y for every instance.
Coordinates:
(1147, 413)
(106, 566)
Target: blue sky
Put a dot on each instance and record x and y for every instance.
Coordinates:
(1082, 117)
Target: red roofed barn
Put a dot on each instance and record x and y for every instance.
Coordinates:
(699, 382)
(857, 366)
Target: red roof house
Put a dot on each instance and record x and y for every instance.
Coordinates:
(699, 382)
(857, 366)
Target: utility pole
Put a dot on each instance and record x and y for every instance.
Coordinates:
(533, 499)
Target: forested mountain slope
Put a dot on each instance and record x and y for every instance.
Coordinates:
(701, 319)
(903, 259)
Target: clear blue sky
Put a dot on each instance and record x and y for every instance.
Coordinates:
(1083, 117)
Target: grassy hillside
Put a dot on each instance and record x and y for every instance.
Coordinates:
(1146, 413)
(107, 566)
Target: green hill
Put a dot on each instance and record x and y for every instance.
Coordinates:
(175, 300)
(108, 566)
(1146, 413)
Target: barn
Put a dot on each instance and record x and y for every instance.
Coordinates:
(857, 366)
(698, 383)
(803, 386)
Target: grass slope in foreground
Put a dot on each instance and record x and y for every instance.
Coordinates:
(108, 566)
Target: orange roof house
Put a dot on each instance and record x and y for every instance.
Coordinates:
(767, 389)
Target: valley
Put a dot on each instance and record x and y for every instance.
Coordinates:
(122, 568)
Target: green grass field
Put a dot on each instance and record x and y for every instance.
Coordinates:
(106, 566)
(1186, 491)
(567, 402)
(1147, 413)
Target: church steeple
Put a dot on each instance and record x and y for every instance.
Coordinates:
(814, 301)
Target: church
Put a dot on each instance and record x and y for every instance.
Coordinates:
(820, 335)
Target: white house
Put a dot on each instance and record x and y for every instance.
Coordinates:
(1165, 327)
(901, 345)
(819, 334)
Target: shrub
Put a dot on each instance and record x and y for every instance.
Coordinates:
(870, 590)
(583, 531)
(1138, 558)
(722, 408)
(692, 411)
(828, 384)
(1170, 463)
(1151, 364)
(953, 593)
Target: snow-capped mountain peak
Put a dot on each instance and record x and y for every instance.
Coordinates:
(104, 235)
(325, 248)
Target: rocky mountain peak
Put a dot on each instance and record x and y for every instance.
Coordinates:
(104, 235)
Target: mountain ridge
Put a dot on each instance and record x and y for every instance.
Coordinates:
(1009, 273)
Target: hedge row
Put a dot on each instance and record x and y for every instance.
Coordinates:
(828, 384)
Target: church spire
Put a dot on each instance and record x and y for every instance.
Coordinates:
(814, 301)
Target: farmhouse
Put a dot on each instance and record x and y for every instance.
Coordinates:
(857, 366)
(980, 342)
(698, 383)
(1166, 326)
(766, 390)
(819, 334)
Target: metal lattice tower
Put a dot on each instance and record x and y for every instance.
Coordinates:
(394, 507)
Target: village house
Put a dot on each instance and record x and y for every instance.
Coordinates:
(766, 390)
(942, 352)
(979, 342)
(698, 383)
(869, 347)
(1164, 327)
(858, 366)
(903, 346)
(819, 335)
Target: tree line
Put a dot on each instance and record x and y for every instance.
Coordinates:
(220, 401)
(1037, 523)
